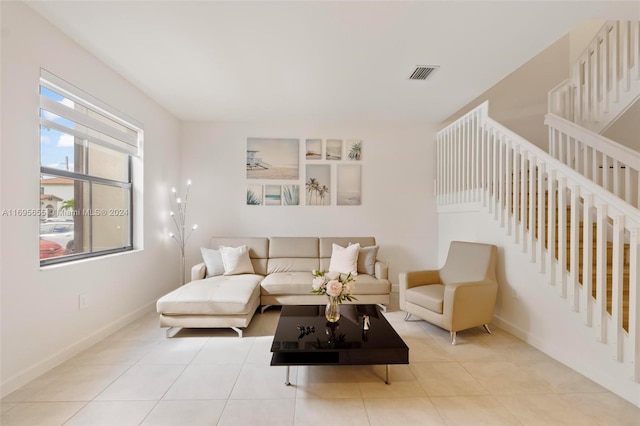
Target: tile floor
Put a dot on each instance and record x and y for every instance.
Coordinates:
(212, 377)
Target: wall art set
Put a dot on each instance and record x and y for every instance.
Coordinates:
(330, 172)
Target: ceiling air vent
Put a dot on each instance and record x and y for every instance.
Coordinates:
(422, 72)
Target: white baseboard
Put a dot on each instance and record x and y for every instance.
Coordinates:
(22, 378)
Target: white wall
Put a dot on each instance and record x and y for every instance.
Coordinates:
(626, 129)
(398, 205)
(531, 309)
(519, 101)
(41, 324)
(581, 36)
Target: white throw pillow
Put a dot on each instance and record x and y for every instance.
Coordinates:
(236, 260)
(213, 261)
(367, 260)
(344, 259)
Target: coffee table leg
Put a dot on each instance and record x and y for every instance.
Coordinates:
(287, 382)
(387, 378)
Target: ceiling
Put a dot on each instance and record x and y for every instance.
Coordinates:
(320, 60)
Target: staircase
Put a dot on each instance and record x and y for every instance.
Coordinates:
(584, 239)
(574, 211)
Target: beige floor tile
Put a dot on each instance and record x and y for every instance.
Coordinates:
(402, 411)
(475, 349)
(544, 410)
(403, 383)
(26, 392)
(521, 351)
(82, 383)
(112, 352)
(426, 349)
(228, 350)
(333, 412)
(264, 412)
(408, 329)
(181, 413)
(605, 409)
(560, 378)
(473, 411)
(40, 413)
(264, 382)
(145, 328)
(263, 325)
(504, 377)
(328, 390)
(209, 376)
(260, 352)
(204, 381)
(338, 374)
(111, 413)
(142, 383)
(175, 351)
(446, 379)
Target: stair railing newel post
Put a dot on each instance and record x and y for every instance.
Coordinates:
(182, 235)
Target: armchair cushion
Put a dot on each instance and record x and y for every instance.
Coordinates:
(428, 296)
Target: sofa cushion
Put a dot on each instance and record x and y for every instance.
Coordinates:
(292, 254)
(213, 261)
(428, 296)
(236, 260)
(367, 284)
(221, 295)
(367, 257)
(258, 249)
(344, 259)
(287, 283)
(293, 247)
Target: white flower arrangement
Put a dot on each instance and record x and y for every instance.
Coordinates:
(334, 284)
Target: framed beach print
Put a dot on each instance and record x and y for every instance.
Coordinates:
(354, 150)
(254, 195)
(349, 185)
(272, 158)
(317, 184)
(272, 196)
(313, 149)
(290, 195)
(333, 149)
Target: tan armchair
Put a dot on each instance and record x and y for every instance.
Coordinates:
(461, 295)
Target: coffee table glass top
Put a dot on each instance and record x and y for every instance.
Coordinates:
(304, 337)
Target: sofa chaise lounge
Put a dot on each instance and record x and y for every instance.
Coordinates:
(278, 271)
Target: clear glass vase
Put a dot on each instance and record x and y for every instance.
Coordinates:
(332, 311)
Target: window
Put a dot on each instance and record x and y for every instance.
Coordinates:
(88, 152)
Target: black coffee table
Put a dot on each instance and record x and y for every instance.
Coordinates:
(304, 337)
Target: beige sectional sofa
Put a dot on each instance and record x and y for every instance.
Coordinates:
(281, 276)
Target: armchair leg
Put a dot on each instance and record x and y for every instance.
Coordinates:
(486, 327)
(453, 338)
(407, 316)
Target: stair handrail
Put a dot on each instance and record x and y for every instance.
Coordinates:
(604, 79)
(482, 112)
(610, 148)
(589, 153)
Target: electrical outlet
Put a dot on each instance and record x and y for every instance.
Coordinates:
(83, 301)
